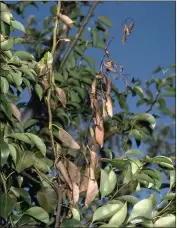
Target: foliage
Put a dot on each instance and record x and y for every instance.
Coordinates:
(50, 175)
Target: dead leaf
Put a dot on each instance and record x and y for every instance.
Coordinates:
(109, 66)
(93, 87)
(85, 179)
(99, 133)
(67, 139)
(75, 193)
(109, 107)
(92, 191)
(15, 111)
(60, 166)
(106, 51)
(105, 114)
(124, 38)
(100, 75)
(73, 171)
(131, 26)
(97, 112)
(66, 20)
(62, 95)
(93, 157)
(92, 134)
(108, 86)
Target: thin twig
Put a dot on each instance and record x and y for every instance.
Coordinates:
(51, 81)
(80, 30)
(154, 102)
(101, 63)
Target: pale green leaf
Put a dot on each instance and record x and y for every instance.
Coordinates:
(120, 216)
(105, 212)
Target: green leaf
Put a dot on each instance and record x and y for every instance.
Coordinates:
(30, 123)
(172, 178)
(90, 60)
(6, 45)
(38, 213)
(106, 212)
(39, 91)
(42, 165)
(135, 165)
(47, 199)
(27, 55)
(20, 136)
(4, 152)
(129, 198)
(104, 184)
(7, 205)
(13, 153)
(4, 85)
(17, 25)
(76, 214)
(127, 175)
(166, 221)
(105, 20)
(112, 181)
(143, 208)
(134, 152)
(145, 117)
(94, 34)
(3, 7)
(109, 152)
(24, 160)
(119, 217)
(20, 192)
(161, 102)
(143, 176)
(71, 223)
(38, 142)
(117, 163)
(6, 16)
(157, 70)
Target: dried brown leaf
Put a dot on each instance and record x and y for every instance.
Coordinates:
(100, 75)
(62, 95)
(60, 166)
(93, 157)
(99, 133)
(92, 191)
(85, 180)
(67, 139)
(131, 26)
(75, 193)
(15, 111)
(105, 114)
(109, 106)
(109, 66)
(108, 86)
(73, 171)
(124, 39)
(106, 51)
(93, 87)
(66, 20)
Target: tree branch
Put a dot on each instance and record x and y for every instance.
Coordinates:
(51, 80)
(80, 30)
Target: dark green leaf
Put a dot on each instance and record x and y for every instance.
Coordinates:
(105, 20)
(38, 142)
(4, 152)
(24, 160)
(7, 205)
(38, 213)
